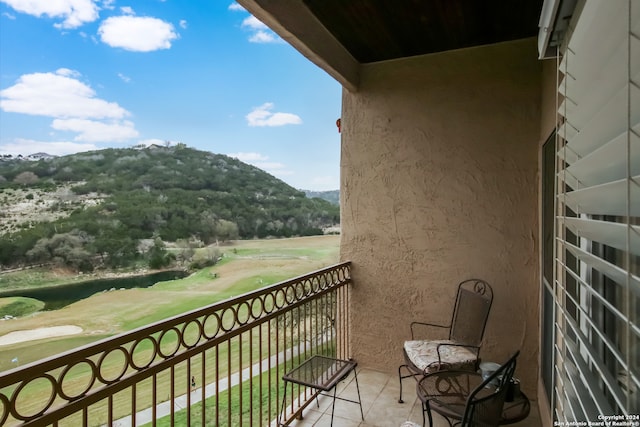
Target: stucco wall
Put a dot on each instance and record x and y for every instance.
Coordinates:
(439, 184)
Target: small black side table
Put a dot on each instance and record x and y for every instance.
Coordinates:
(322, 373)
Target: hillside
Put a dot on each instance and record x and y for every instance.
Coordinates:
(106, 202)
(332, 196)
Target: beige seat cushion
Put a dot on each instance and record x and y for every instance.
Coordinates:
(424, 355)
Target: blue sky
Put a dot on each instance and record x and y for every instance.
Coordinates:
(80, 75)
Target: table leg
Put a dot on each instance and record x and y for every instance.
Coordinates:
(355, 374)
(283, 408)
(333, 406)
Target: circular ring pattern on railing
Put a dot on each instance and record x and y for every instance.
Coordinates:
(290, 294)
(191, 337)
(47, 403)
(320, 281)
(165, 341)
(280, 298)
(300, 290)
(269, 303)
(75, 376)
(228, 319)
(243, 313)
(257, 308)
(215, 327)
(315, 285)
(5, 409)
(138, 358)
(333, 277)
(105, 362)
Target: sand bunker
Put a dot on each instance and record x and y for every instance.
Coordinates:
(40, 333)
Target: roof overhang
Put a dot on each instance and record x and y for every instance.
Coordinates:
(340, 36)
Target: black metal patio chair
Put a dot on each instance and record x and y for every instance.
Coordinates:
(468, 398)
(461, 349)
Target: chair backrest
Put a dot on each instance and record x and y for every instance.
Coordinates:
(485, 410)
(471, 312)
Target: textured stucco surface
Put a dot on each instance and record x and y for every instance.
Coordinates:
(439, 184)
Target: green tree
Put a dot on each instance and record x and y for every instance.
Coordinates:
(226, 230)
(26, 178)
(64, 249)
(158, 255)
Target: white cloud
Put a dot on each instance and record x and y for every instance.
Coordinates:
(58, 95)
(262, 116)
(183, 24)
(263, 37)
(253, 23)
(94, 131)
(124, 78)
(260, 32)
(29, 146)
(270, 166)
(138, 34)
(127, 10)
(66, 72)
(152, 141)
(71, 103)
(274, 168)
(9, 16)
(236, 7)
(249, 157)
(261, 161)
(108, 4)
(73, 12)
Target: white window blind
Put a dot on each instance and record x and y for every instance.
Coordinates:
(597, 255)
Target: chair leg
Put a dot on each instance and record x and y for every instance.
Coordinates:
(426, 409)
(400, 378)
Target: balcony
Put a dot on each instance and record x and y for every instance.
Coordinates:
(219, 365)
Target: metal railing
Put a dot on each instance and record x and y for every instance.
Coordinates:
(219, 365)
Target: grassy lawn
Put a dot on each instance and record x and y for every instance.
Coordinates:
(19, 306)
(228, 402)
(246, 265)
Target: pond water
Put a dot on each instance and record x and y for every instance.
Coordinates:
(56, 297)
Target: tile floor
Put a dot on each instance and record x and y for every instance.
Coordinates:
(379, 394)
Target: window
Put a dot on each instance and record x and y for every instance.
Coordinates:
(595, 295)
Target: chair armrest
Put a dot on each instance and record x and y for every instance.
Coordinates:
(427, 325)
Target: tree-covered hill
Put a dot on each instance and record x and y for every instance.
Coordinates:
(102, 204)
